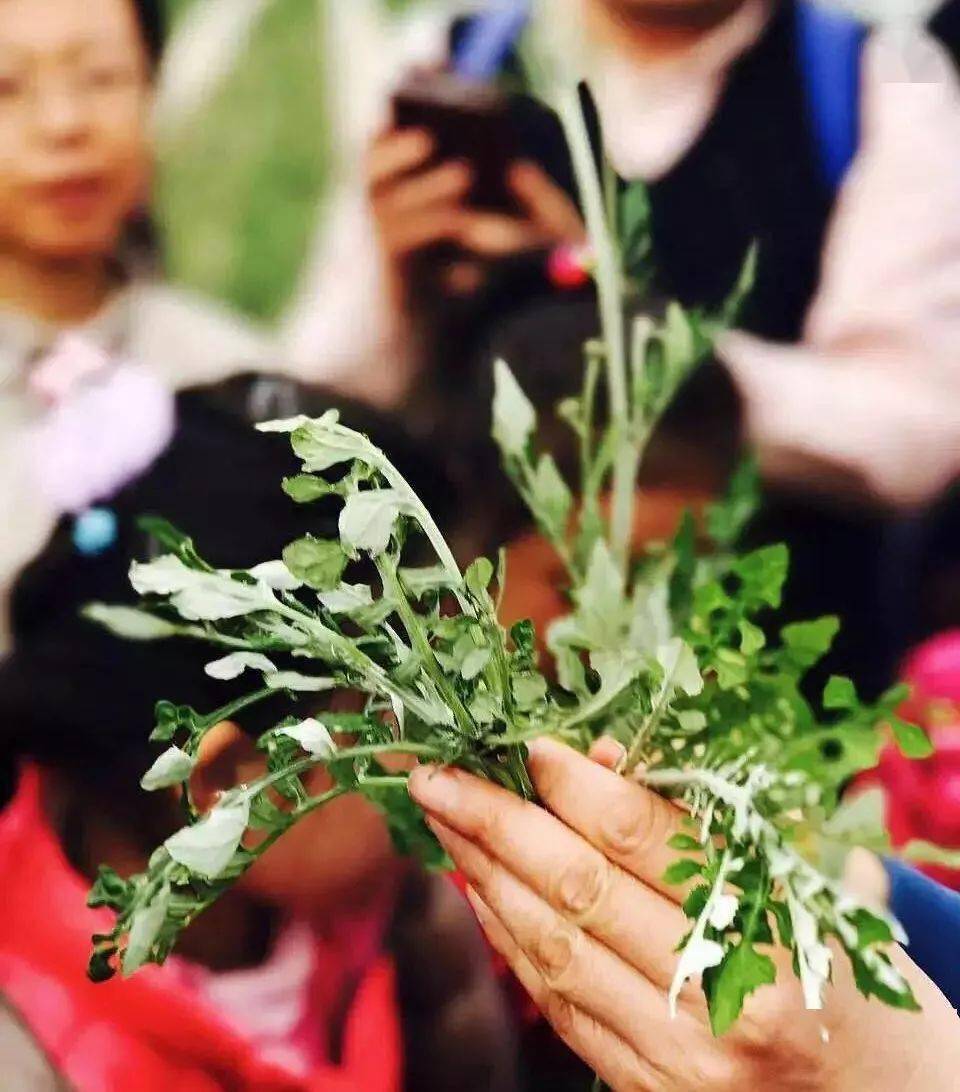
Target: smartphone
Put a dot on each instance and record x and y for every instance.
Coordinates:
(469, 122)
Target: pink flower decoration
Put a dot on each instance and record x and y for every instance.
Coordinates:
(923, 797)
(108, 423)
(569, 267)
(72, 360)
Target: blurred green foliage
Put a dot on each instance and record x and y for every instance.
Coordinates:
(239, 188)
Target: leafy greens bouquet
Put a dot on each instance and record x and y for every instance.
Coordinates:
(666, 652)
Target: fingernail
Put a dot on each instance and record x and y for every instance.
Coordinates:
(479, 906)
(546, 749)
(435, 789)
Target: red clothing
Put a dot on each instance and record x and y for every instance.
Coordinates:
(145, 1032)
(923, 797)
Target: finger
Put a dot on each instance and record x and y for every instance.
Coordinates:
(397, 152)
(602, 1049)
(577, 883)
(492, 235)
(442, 185)
(546, 203)
(627, 823)
(413, 233)
(607, 752)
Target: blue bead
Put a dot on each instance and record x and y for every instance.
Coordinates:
(95, 531)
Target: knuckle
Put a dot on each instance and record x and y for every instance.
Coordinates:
(487, 825)
(555, 954)
(560, 1013)
(632, 826)
(582, 886)
(765, 1022)
(719, 1070)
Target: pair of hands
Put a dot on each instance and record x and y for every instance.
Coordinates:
(571, 894)
(417, 205)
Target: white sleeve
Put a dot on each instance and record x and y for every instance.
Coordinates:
(871, 395)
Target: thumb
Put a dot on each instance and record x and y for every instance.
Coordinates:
(744, 354)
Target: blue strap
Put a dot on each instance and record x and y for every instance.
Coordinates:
(830, 45)
(930, 915)
(488, 39)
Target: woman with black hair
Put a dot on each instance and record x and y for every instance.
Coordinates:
(75, 164)
(311, 976)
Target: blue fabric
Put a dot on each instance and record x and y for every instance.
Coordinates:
(930, 914)
(829, 46)
(489, 38)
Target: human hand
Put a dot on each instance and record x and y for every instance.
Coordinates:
(417, 205)
(571, 894)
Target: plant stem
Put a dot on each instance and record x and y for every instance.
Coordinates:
(418, 639)
(610, 295)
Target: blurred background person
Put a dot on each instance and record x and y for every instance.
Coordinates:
(784, 125)
(312, 975)
(75, 93)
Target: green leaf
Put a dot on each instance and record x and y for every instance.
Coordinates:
(809, 642)
(347, 599)
(833, 755)
(912, 740)
(313, 737)
(109, 890)
(742, 971)
(877, 981)
(197, 595)
(752, 638)
(324, 443)
(871, 929)
(921, 852)
(129, 623)
(726, 521)
(306, 488)
(708, 599)
(552, 499)
(680, 667)
(762, 574)
(601, 605)
(681, 871)
(145, 931)
(172, 540)
(318, 562)
(233, 666)
(474, 662)
(731, 669)
(419, 582)
(170, 719)
(367, 520)
(173, 767)
(684, 843)
(514, 418)
(408, 829)
(478, 576)
(293, 680)
(781, 913)
(524, 638)
(207, 848)
(696, 902)
(840, 693)
(529, 690)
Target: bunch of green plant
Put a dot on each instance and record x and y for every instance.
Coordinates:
(668, 652)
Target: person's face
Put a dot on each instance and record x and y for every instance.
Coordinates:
(74, 92)
(644, 15)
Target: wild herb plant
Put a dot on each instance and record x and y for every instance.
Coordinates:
(667, 651)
